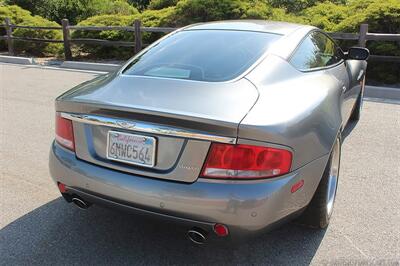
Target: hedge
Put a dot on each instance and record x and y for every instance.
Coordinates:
(20, 16)
(160, 4)
(74, 10)
(149, 18)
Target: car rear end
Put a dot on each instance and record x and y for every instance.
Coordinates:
(246, 186)
(163, 141)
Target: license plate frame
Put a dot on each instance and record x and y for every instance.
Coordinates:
(127, 161)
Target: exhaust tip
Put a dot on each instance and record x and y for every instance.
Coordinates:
(80, 203)
(197, 236)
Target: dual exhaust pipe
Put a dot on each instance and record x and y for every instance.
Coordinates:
(196, 235)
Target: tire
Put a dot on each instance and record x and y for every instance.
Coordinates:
(356, 115)
(319, 211)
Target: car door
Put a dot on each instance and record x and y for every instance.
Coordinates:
(356, 70)
(340, 70)
(318, 53)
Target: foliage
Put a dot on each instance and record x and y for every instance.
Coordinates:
(325, 15)
(139, 4)
(38, 48)
(107, 20)
(22, 17)
(262, 10)
(25, 4)
(113, 35)
(381, 16)
(298, 5)
(75, 10)
(15, 13)
(158, 18)
(192, 11)
(160, 4)
(330, 15)
(149, 18)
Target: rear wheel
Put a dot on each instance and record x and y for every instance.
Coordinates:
(319, 211)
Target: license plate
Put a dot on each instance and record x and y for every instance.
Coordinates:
(131, 148)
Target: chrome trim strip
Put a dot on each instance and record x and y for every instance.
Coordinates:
(145, 127)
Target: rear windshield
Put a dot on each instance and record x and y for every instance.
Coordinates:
(204, 55)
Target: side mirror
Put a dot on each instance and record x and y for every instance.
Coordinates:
(358, 53)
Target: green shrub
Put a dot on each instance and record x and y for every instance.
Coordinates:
(39, 48)
(160, 4)
(262, 10)
(158, 18)
(185, 12)
(20, 16)
(113, 35)
(193, 11)
(325, 15)
(15, 13)
(139, 4)
(381, 16)
(149, 18)
(75, 10)
(294, 6)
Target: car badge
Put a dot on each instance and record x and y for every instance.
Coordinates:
(125, 124)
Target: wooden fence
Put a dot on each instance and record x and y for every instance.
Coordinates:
(362, 37)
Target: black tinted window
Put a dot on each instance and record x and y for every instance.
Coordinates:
(317, 50)
(206, 55)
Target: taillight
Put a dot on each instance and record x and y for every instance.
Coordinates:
(246, 162)
(64, 132)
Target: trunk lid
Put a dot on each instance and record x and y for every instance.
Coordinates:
(178, 112)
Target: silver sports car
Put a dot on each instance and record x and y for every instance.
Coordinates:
(226, 127)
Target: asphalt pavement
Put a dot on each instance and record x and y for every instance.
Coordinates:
(38, 228)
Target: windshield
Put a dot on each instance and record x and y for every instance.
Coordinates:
(204, 55)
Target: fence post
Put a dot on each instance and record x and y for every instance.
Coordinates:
(66, 39)
(362, 39)
(10, 42)
(138, 36)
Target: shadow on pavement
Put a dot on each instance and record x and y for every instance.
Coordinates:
(59, 233)
(348, 129)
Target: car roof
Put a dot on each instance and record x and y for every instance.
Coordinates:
(275, 27)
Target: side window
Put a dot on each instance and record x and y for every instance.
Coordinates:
(317, 50)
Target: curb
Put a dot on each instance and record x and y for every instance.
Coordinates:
(16, 60)
(382, 92)
(90, 66)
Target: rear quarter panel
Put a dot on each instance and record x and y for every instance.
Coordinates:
(295, 109)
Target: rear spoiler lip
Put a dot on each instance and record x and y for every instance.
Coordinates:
(140, 126)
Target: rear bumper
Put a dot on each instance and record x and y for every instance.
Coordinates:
(244, 206)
